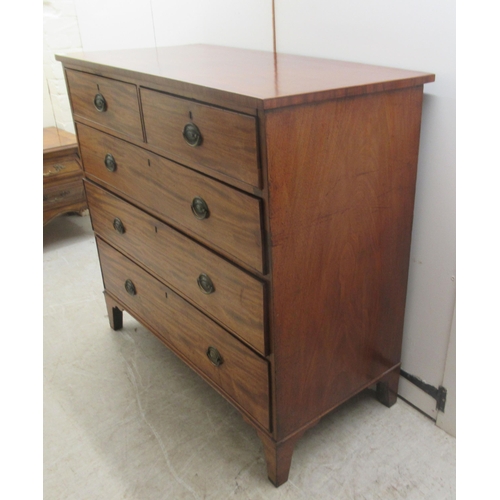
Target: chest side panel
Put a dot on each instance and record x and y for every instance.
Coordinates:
(341, 189)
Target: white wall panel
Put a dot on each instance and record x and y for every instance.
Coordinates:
(398, 33)
(417, 35)
(177, 23)
(114, 24)
(61, 35)
(245, 23)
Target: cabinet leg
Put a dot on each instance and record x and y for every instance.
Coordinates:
(115, 313)
(278, 457)
(387, 388)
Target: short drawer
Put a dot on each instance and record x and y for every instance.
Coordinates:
(220, 215)
(233, 368)
(229, 295)
(197, 134)
(61, 193)
(109, 103)
(61, 168)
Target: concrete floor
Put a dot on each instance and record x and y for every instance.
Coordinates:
(125, 419)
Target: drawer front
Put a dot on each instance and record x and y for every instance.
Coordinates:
(242, 375)
(228, 142)
(60, 167)
(232, 222)
(235, 299)
(61, 194)
(119, 110)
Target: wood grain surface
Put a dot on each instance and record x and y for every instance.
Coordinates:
(308, 168)
(247, 77)
(229, 140)
(341, 228)
(122, 113)
(63, 197)
(242, 375)
(63, 166)
(238, 300)
(56, 140)
(168, 189)
(62, 175)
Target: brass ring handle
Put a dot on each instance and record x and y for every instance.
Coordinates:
(100, 103)
(118, 225)
(110, 162)
(205, 283)
(192, 135)
(200, 208)
(214, 356)
(130, 287)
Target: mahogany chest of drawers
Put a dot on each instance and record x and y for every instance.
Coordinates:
(254, 211)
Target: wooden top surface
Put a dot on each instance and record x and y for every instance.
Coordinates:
(56, 140)
(273, 79)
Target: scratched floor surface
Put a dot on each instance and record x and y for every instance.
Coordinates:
(125, 419)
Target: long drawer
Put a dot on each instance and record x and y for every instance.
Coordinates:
(220, 215)
(228, 294)
(229, 364)
(197, 134)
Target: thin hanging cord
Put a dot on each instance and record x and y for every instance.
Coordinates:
(275, 54)
(274, 30)
(153, 22)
